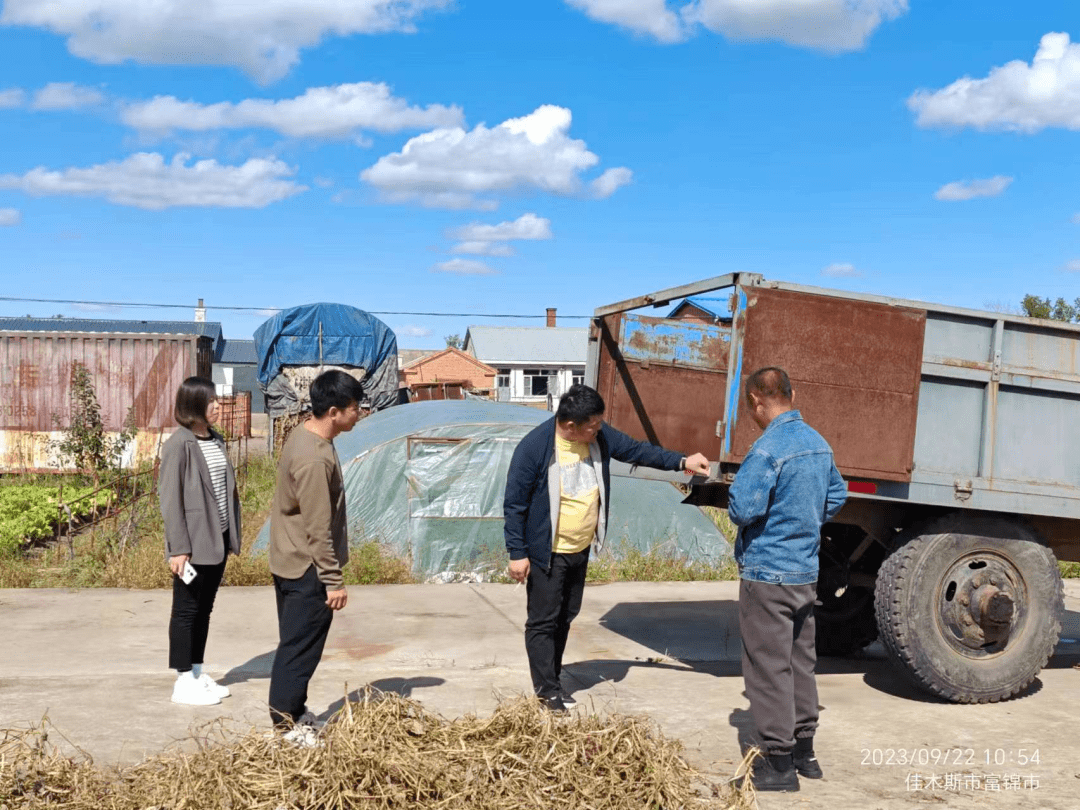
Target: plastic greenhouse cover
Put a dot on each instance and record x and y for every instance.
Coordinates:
(431, 488)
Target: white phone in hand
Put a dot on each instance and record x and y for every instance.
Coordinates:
(189, 573)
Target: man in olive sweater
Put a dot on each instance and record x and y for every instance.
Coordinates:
(309, 544)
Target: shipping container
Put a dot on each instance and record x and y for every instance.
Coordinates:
(136, 373)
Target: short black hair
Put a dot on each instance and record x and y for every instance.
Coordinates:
(579, 405)
(192, 399)
(770, 382)
(334, 389)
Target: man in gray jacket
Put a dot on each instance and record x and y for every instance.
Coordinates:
(309, 545)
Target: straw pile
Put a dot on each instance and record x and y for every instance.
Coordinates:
(384, 751)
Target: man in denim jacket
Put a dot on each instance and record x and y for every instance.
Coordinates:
(786, 488)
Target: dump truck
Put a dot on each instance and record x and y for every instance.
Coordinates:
(956, 430)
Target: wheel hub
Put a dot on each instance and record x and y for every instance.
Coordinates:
(978, 604)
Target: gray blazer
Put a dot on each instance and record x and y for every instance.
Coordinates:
(188, 505)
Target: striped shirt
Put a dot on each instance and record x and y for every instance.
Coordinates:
(218, 464)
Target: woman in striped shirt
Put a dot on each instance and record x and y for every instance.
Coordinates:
(201, 508)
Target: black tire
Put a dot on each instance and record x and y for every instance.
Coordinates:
(927, 585)
(843, 624)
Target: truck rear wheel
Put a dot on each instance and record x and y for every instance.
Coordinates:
(971, 607)
(843, 624)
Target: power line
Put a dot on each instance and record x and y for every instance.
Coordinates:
(133, 304)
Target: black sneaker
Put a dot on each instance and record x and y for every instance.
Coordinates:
(568, 700)
(553, 703)
(804, 760)
(774, 773)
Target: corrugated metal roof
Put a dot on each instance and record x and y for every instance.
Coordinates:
(209, 328)
(528, 344)
(237, 352)
(717, 307)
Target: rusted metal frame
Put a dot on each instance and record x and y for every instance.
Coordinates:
(1041, 323)
(592, 357)
(990, 403)
(1009, 375)
(734, 373)
(659, 299)
(631, 387)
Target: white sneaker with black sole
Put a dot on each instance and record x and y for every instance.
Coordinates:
(190, 691)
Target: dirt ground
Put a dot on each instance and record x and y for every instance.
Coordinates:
(93, 661)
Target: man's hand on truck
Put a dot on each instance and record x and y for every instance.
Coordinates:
(696, 463)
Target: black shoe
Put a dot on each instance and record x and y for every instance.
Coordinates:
(775, 773)
(804, 760)
(553, 703)
(567, 699)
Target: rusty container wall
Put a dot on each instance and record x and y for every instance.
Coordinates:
(140, 370)
(664, 381)
(854, 365)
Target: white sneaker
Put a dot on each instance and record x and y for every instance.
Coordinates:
(213, 687)
(302, 736)
(191, 692)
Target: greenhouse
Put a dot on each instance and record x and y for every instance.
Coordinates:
(427, 480)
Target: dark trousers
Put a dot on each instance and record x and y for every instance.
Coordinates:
(554, 599)
(779, 654)
(189, 622)
(303, 624)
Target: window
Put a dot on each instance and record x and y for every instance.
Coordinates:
(502, 380)
(577, 378)
(538, 382)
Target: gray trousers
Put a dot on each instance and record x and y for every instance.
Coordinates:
(777, 627)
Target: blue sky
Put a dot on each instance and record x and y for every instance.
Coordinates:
(486, 156)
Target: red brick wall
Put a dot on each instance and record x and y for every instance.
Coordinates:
(449, 366)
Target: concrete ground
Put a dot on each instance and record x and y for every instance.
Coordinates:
(94, 662)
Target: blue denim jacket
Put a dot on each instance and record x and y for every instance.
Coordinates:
(786, 488)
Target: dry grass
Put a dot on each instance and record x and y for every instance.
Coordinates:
(383, 752)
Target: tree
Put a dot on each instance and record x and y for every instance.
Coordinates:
(453, 341)
(1059, 310)
(85, 443)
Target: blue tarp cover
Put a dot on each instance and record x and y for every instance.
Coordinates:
(350, 337)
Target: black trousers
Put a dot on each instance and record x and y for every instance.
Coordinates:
(777, 627)
(189, 622)
(303, 625)
(554, 599)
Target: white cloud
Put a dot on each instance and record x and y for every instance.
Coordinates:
(1016, 96)
(464, 267)
(449, 167)
(652, 17)
(482, 239)
(13, 97)
(9, 217)
(483, 248)
(841, 270)
(337, 111)
(323, 182)
(413, 331)
(145, 180)
(527, 226)
(66, 96)
(1073, 266)
(262, 38)
(833, 26)
(1076, 218)
(611, 181)
(96, 307)
(970, 189)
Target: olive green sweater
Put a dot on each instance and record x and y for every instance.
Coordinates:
(307, 522)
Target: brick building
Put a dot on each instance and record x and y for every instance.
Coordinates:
(449, 365)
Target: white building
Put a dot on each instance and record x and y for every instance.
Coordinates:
(535, 364)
